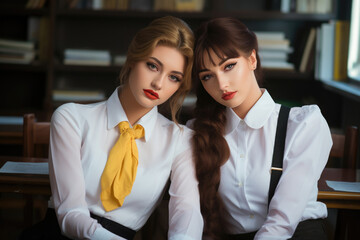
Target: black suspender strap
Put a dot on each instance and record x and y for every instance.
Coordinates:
(279, 146)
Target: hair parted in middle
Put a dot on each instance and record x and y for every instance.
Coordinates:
(166, 31)
(227, 38)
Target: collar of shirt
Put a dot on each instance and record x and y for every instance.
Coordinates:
(256, 117)
(116, 114)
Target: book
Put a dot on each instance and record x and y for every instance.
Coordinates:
(74, 95)
(285, 6)
(25, 167)
(87, 62)
(269, 54)
(33, 29)
(270, 35)
(317, 52)
(277, 42)
(323, 6)
(189, 5)
(124, 5)
(38, 32)
(141, 5)
(283, 65)
(44, 38)
(327, 51)
(17, 56)
(283, 48)
(97, 4)
(35, 3)
(308, 50)
(11, 124)
(119, 60)
(30, 45)
(87, 57)
(87, 54)
(164, 5)
(342, 31)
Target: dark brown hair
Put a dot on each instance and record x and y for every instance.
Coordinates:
(228, 38)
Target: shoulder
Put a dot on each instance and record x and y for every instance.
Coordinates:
(178, 133)
(74, 113)
(305, 115)
(307, 124)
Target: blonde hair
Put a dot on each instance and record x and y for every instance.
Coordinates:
(168, 31)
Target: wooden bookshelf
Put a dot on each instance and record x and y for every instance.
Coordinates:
(113, 30)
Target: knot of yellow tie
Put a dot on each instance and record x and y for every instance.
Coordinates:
(120, 171)
(136, 132)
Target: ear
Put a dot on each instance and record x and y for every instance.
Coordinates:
(253, 60)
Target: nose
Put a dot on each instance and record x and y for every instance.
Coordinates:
(223, 82)
(157, 82)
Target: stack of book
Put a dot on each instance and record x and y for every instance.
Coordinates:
(305, 6)
(16, 51)
(140, 5)
(87, 57)
(332, 48)
(274, 49)
(35, 3)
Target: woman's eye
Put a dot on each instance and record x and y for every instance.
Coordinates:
(230, 66)
(205, 77)
(151, 66)
(174, 78)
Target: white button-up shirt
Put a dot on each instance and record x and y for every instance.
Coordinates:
(80, 140)
(245, 177)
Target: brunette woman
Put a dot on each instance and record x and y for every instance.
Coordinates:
(239, 129)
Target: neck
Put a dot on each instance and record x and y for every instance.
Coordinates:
(133, 110)
(253, 96)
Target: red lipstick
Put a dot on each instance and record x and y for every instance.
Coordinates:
(151, 94)
(228, 95)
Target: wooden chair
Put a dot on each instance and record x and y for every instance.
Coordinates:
(36, 138)
(345, 147)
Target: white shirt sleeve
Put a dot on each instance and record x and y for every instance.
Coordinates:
(67, 180)
(185, 219)
(307, 148)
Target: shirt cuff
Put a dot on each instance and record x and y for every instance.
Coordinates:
(103, 234)
(180, 237)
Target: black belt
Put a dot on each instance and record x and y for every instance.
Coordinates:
(115, 227)
(243, 236)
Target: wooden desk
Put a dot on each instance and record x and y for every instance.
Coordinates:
(335, 199)
(39, 184)
(24, 183)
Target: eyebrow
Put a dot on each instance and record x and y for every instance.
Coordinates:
(161, 64)
(221, 62)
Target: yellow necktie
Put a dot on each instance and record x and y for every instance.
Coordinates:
(120, 171)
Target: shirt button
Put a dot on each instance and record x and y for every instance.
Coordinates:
(251, 216)
(240, 184)
(242, 155)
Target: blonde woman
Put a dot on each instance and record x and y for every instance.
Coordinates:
(94, 197)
